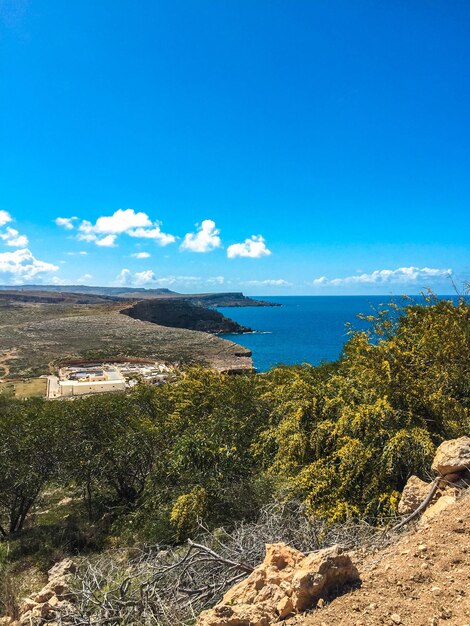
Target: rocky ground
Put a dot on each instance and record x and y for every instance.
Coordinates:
(423, 580)
(420, 577)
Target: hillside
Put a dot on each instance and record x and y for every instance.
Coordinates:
(309, 457)
(40, 329)
(422, 580)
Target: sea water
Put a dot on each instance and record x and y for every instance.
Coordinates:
(307, 329)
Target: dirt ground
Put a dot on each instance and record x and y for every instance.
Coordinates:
(423, 580)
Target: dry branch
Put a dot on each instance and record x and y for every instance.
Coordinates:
(170, 586)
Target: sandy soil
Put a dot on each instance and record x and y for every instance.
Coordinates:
(423, 580)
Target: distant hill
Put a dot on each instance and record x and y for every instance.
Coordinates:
(229, 299)
(123, 292)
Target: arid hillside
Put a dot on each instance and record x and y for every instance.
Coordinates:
(39, 330)
(422, 580)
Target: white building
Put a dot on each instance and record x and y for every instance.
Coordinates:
(84, 381)
(106, 377)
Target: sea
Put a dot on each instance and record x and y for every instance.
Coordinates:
(304, 329)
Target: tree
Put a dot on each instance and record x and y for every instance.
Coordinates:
(29, 449)
(347, 442)
(111, 447)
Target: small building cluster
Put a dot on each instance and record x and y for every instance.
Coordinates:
(104, 378)
(153, 373)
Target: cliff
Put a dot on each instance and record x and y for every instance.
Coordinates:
(234, 299)
(183, 314)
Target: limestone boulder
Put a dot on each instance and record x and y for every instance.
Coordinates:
(317, 574)
(414, 493)
(43, 596)
(61, 569)
(452, 457)
(27, 604)
(287, 582)
(51, 602)
(435, 509)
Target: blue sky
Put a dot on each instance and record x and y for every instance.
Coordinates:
(270, 146)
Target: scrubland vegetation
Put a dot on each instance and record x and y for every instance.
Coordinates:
(149, 466)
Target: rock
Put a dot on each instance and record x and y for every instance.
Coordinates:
(43, 596)
(27, 605)
(64, 607)
(40, 610)
(318, 573)
(243, 615)
(48, 605)
(437, 508)
(58, 586)
(285, 607)
(414, 493)
(287, 582)
(452, 456)
(26, 618)
(67, 566)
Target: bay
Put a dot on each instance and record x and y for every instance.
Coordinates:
(304, 329)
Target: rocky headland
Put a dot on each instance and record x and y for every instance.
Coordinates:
(182, 313)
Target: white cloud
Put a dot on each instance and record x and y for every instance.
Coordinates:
(123, 221)
(127, 278)
(215, 280)
(81, 252)
(55, 280)
(5, 217)
(84, 279)
(20, 266)
(252, 248)
(10, 235)
(269, 282)
(65, 222)
(107, 242)
(319, 282)
(401, 275)
(205, 239)
(163, 239)
(166, 281)
(13, 238)
(141, 255)
(86, 232)
(144, 278)
(124, 278)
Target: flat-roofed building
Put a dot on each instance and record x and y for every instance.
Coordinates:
(83, 381)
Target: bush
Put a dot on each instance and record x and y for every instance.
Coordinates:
(342, 438)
